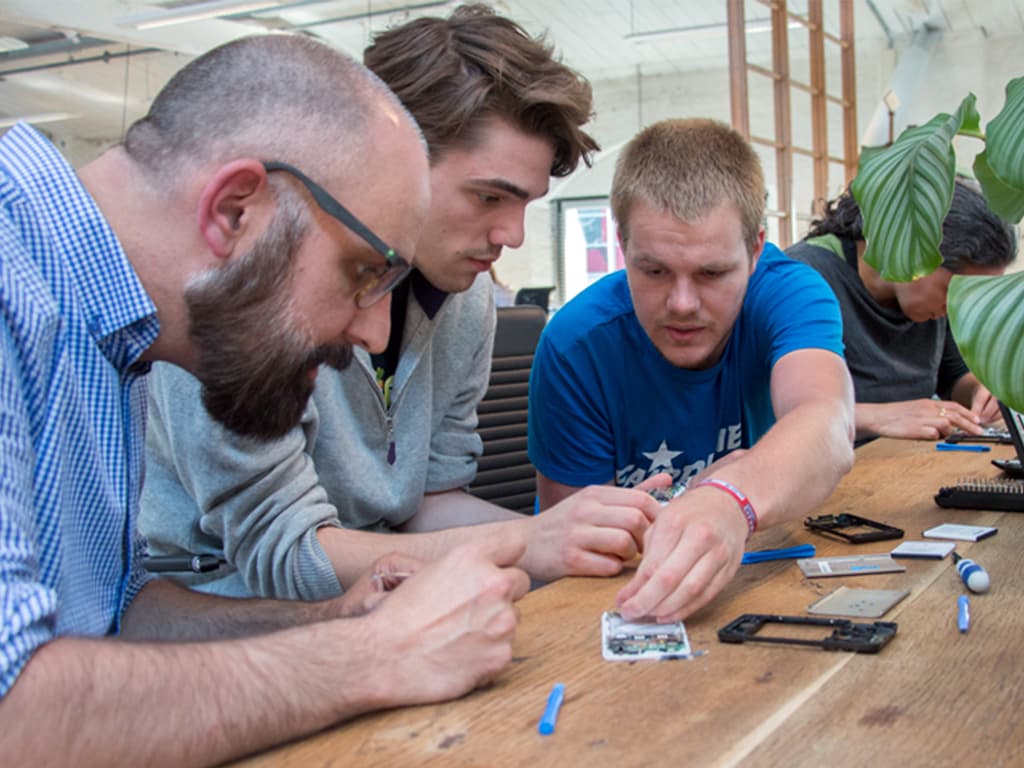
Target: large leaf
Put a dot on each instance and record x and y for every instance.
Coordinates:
(1000, 168)
(1006, 202)
(987, 318)
(904, 193)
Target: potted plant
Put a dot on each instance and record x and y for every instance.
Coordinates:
(904, 192)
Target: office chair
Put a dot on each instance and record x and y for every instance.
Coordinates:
(539, 296)
(505, 476)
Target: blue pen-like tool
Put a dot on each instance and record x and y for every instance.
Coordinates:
(962, 447)
(786, 553)
(974, 577)
(963, 613)
(546, 726)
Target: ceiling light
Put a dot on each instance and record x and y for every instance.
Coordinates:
(194, 12)
(12, 44)
(703, 31)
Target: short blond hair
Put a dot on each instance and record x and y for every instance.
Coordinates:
(688, 167)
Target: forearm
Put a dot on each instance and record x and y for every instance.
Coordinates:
(443, 521)
(795, 466)
(451, 509)
(163, 611)
(107, 702)
(964, 389)
(867, 417)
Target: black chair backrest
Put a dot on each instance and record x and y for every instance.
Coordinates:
(537, 296)
(505, 475)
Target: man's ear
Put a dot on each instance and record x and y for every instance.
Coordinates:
(758, 250)
(227, 204)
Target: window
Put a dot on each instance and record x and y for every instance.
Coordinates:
(588, 243)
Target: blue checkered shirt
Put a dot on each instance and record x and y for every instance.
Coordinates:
(75, 320)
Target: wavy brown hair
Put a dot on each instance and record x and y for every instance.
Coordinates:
(454, 74)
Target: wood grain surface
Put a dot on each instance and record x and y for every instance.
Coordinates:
(931, 697)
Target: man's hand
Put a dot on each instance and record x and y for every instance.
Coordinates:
(691, 552)
(387, 573)
(449, 628)
(923, 419)
(592, 532)
(984, 405)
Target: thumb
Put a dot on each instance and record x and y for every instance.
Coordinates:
(504, 549)
(660, 480)
(630, 589)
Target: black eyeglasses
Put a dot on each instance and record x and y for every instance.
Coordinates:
(377, 285)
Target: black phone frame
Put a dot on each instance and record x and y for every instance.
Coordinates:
(846, 635)
(835, 525)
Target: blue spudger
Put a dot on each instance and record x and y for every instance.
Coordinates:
(786, 553)
(962, 447)
(546, 726)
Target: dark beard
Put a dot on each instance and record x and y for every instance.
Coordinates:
(254, 359)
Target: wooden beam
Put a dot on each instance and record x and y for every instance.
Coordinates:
(738, 94)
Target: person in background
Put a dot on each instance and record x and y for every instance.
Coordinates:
(504, 295)
(200, 241)
(383, 454)
(908, 376)
(712, 357)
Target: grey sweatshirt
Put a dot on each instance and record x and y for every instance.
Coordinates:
(259, 504)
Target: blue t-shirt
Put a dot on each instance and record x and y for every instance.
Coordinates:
(604, 402)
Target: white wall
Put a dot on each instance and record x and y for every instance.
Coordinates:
(623, 106)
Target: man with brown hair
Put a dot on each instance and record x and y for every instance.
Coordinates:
(713, 357)
(388, 445)
(200, 242)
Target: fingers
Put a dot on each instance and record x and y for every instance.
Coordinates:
(926, 419)
(660, 480)
(702, 584)
(952, 416)
(600, 519)
(984, 404)
(692, 553)
(632, 498)
(502, 551)
(392, 569)
(665, 563)
(988, 411)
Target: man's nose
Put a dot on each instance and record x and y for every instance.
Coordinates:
(371, 326)
(683, 298)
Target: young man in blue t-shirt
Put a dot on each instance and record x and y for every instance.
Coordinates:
(712, 357)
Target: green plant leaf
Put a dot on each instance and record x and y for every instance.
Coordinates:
(971, 125)
(904, 193)
(1005, 137)
(1006, 202)
(987, 318)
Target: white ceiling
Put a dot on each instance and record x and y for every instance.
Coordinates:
(96, 75)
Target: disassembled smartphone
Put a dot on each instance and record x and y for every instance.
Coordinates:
(837, 526)
(623, 640)
(665, 495)
(846, 635)
(989, 435)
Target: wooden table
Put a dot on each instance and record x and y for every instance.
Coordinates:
(931, 697)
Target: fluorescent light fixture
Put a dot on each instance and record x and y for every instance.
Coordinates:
(183, 14)
(12, 44)
(703, 31)
(41, 117)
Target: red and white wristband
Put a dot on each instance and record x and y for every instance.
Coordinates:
(745, 506)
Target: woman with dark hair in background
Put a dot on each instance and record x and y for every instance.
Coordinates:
(899, 346)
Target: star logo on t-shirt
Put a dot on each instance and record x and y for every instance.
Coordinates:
(661, 458)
